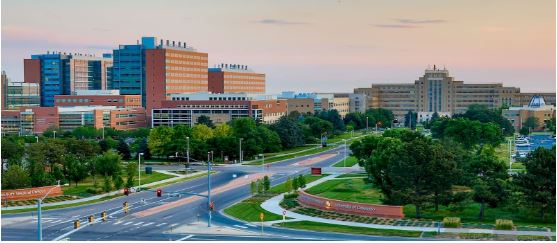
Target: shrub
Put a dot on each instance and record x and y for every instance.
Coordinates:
(93, 190)
(293, 195)
(451, 222)
(504, 224)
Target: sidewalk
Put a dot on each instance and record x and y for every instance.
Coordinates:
(273, 205)
(178, 177)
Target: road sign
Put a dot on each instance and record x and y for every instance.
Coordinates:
(261, 216)
(284, 212)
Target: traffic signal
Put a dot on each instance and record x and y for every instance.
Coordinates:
(91, 219)
(159, 192)
(76, 224)
(126, 191)
(212, 206)
(125, 204)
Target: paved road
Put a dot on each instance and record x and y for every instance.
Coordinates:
(154, 218)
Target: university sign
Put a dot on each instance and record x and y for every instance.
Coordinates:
(31, 193)
(350, 207)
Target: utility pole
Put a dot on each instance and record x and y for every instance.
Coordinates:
(187, 154)
(240, 152)
(209, 189)
(344, 153)
(139, 170)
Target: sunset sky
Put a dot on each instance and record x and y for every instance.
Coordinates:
(321, 45)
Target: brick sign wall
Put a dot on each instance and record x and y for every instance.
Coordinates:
(31, 193)
(350, 207)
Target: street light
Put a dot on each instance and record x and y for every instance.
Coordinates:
(39, 213)
(367, 124)
(344, 153)
(263, 163)
(240, 152)
(37, 137)
(209, 189)
(139, 170)
(188, 154)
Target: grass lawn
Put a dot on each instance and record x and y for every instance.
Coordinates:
(81, 190)
(502, 151)
(204, 174)
(518, 166)
(290, 156)
(350, 161)
(249, 211)
(280, 188)
(323, 227)
(352, 175)
(354, 190)
(291, 150)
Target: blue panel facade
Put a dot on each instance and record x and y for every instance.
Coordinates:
(127, 71)
(53, 76)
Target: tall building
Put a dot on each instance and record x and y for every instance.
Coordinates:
(156, 68)
(234, 78)
(19, 94)
(437, 92)
(64, 74)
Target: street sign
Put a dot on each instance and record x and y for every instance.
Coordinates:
(261, 216)
(315, 170)
(284, 212)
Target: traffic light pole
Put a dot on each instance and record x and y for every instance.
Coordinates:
(209, 190)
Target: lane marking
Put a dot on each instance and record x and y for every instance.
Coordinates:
(185, 238)
(119, 222)
(251, 225)
(172, 225)
(138, 223)
(161, 224)
(147, 224)
(131, 222)
(240, 226)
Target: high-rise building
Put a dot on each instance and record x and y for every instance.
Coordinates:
(19, 94)
(437, 92)
(235, 78)
(64, 74)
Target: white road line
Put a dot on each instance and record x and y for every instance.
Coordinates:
(185, 238)
(172, 225)
(147, 224)
(56, 221)
(239, 226)
(138, 223)
(251, 225)
(128, 223)
(119, 222)
(161, 224)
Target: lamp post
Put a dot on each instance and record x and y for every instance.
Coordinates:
(139, 170)
(209, 189)
(263, 161)
(187, 154)
(240, 152)
(367, 124)
(344, 153)
(37, 137)
(39, 214)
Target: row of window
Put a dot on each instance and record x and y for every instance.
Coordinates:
(170, 61)
(247, 77)
(187, 75)
(182, 68)
(179, 55)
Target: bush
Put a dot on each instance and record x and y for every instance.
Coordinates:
(504, 224)
(93, 190)
(293, 195)
(451, 222)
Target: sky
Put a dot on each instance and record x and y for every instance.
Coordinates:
(306, 45)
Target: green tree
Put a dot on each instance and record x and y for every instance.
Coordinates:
(319, 126)
(289, 131)
(12, 150)
(538, 182)
(222, 130)
(259, 186)
(302, 181)
(85, 132)
(246, 129)
(444, 172)
(550, 125)
(483, 114)
(15, 177)
(159, 139)
(205, 120)
(334, 117)
(295, 184)
(107, 185)
(109, 164)
(124, 149)
(131, 171)
(269, 140)
(356, 119)
(75, 169)
(524, 131)
(253, 187)
(118, 182)
(288, 185)
(266, 183)
(489, 176)
(532, 123)
(202, 132)
(411, 119)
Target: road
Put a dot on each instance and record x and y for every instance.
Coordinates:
(157, 218)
